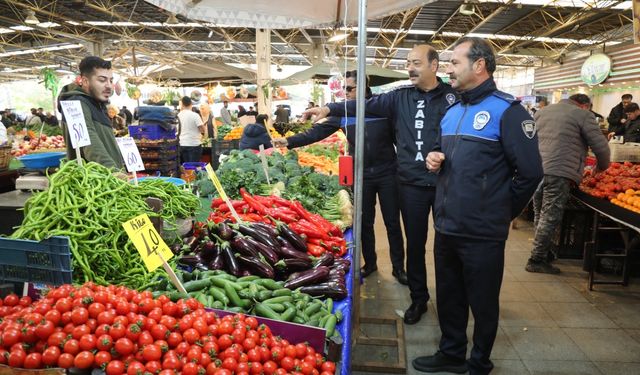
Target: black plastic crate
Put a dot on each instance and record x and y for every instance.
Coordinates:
(222, 148)
(47, 261)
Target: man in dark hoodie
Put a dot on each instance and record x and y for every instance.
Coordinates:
(93, 92)
(255, 135)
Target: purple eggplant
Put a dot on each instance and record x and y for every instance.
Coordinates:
(190, 260)
(177, 248)
(326, 259)
(269, 254)
(333, 290)
(209, 249)
(217, 263)
(257, 235)
(192, 242)
(292, 264)
(291, 236)
(224, 231)
(229, 259)
(241, 245)
(337, 272)
(266, 228)
(256, 266)
(308, 277)
(288, 252)
(342, 261)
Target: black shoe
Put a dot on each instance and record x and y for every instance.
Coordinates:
(414, 313)
(440, 362)
(366, 271)
(401, 276)
(541, 267)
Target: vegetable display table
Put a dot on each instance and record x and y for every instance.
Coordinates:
(623, 221)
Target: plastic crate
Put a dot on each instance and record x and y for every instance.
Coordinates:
(47, 261)
(195, 165)
(625, 152)
(152, 132)
(224, 147)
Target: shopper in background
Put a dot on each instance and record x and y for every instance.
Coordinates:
(96, 86)
(225, 114)
(190, 131)
(33, 119)
(118, 123)
(127, 115)
(41, 114)
(379, 179)
(311, 105)
(241, 111)
(617, 117)
(210, 129)
(599, 117)
(252, 112)
(415, 111)
(282, 115)
(489, 166)
(254, 135)
(9, 117)
(51, 119)
(632, 128)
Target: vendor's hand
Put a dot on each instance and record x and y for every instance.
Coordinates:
(279, 142)
(434, 161)
(610, 135)
(318, 112)
(622, 121)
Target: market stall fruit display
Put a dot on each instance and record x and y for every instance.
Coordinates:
(39, 144)
(88, 205)
(618, 178)
(234, 133)
(630, 200)
(120, 331)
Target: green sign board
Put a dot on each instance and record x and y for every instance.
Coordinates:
(595, 69)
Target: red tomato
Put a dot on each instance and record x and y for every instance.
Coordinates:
(153, 367)
(145, 338)
(174, 339)
(122, 308)
(269, 367)
(104, 342)
(171, 363)
(115, 368)
(191, 335)
(53, 316)
(25, 301)
(72, 347)
(79, 315)
(182, 348)
(124, 346)
(225, 327)
(65, 360)
(190, 368)
(102, 329)
(169, 308)
(200, 325)
(133, 332)
(306, 368)
(329, 367)
(230, 364)
(88, 342)
(83, 360)
(80, 331)
(95, 309)
(151, 353)
(16, 357)
(11, 300)
(225, 341)
(135, 368)
(117, 331)
(287, 363)
(50, 356)
(56, 339)
(204, 360)
(65, 318)
(11, 336)
(106, 317)
(301, 350)
(251, 322)
(253, 355)
(33, 361)
(159, 332)
(102, 358)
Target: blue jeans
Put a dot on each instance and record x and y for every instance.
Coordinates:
(190, 153)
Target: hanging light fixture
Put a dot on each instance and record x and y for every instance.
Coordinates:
(467, 9)
(31, 18)
(338, 36)
(172, 20)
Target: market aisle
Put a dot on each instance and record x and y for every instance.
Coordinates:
(549, 324)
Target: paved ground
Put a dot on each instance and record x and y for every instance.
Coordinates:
(548, 324)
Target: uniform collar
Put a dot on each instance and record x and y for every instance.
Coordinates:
(479, 92)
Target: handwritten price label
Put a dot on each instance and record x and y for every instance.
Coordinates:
(147, 241)
(76, 125)
(130, 154)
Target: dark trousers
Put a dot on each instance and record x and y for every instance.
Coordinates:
(416, 203)
(549, 202)
(469, 274)
(386, 188)
(190, 154)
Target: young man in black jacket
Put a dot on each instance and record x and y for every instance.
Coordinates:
(380, 165)
(415, 112)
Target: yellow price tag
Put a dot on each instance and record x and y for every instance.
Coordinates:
(216, 182)
(146, 239)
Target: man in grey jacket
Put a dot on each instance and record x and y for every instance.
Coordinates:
(565, 131)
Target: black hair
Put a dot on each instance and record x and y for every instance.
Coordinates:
(632, 107)
(354, 74)
(186, 101)
(627, 96)
(262, 119)
(90, 63)
(479, 49)
(580, 98)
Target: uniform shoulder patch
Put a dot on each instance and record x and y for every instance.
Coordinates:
(451, 98)
(529, 128)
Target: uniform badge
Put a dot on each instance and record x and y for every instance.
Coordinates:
(450, 98)
(481, 119)
(529, 128)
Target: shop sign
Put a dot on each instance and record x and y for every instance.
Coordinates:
(595, 69)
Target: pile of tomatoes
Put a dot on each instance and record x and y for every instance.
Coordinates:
(127, 332)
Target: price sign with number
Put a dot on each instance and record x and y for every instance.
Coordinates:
(76, 125)
(146, 239)
(130, 154)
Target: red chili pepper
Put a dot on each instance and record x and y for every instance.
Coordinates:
(310, 233)
(309, 225)
(216, 202)
(315, 250)
(315, 241)
(280, 202)
(257, 206)
(267, 201)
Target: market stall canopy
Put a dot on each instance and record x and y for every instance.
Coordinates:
(191, 73)
(282, 14)
(377, 75)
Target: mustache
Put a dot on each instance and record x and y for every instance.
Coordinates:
(413, 74)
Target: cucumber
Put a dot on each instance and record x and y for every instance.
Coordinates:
(281, 299)
(289, 314)
(266, 312)
(196, 285)
(282, 292)
(218, 295)
(264, 294)
(330, 325)
(277, 307)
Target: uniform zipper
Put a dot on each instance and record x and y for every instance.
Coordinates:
(453, 151)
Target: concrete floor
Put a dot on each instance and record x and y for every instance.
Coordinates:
(549, 324)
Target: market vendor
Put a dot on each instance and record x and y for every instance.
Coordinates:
(94, 89)
(255, 135)
(118, 123)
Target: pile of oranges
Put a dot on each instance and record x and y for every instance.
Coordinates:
(630, 200)
(235, 133)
